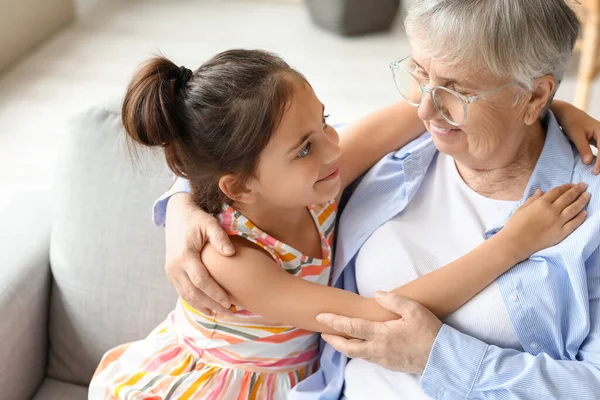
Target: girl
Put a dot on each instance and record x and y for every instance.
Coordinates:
(252, 137)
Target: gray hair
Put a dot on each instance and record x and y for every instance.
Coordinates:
(521, 39)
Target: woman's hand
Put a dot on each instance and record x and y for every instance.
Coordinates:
(188, 229)
(544, 220)
(402, 344)
(580, 128)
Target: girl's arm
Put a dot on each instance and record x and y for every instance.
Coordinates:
(582, 129)
(368, 140)
(257, 283)
(372, 137)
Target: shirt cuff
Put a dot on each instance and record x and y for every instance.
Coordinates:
(159, 210)
(453, 364)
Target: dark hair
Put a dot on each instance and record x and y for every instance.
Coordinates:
(216, 121)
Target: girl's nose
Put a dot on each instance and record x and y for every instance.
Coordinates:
(332, 150)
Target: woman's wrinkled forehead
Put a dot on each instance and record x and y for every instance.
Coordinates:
(468, 73)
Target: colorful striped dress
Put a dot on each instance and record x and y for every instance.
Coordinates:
(241, 356)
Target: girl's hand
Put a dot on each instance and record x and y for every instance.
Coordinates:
(187, 230)
(582, 129)
(544, 220)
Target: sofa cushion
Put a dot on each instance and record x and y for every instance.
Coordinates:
(56, 390)
(107, 259)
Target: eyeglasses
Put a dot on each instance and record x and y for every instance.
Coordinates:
(451, 105)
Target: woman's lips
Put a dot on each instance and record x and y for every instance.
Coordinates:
(334, 174)
(443, 131)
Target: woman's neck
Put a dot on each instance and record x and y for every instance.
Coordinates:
(506, 179)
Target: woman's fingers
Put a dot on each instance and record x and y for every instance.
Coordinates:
(573, 210)
(196, 298)
(575, 223)
(199, 277)
(555, 193)
(219, 238)
(570, 196)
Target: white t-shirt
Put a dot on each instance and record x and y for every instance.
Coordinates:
(444, 221)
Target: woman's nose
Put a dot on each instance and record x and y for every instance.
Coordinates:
(427, 110)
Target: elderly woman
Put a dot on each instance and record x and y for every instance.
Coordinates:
(482, 74)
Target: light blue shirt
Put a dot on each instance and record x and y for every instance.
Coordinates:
(553, 298)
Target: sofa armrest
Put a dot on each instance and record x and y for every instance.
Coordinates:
(24, 293)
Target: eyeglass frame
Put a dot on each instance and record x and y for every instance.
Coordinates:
(465, 100)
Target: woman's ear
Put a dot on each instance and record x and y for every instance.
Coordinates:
(543, 89)
(231, 187)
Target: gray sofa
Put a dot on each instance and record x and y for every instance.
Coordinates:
(81, 268)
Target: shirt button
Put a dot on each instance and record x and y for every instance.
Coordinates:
(534, 345)
(514, 297)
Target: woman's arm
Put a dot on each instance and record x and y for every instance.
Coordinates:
(509, 373)
(254, 280)
(372, 137)
(454, 365)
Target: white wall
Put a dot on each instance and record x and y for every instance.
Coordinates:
(26, 23)
(84, 6)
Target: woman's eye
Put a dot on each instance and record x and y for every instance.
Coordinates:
(422, 75)
(325, 121)
(460, 91)
(305, 150)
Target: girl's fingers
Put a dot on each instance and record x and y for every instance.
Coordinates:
(538, 193)
(556, 192)
(594, 141)
(575, 223)
(569, 197)
(575, 208)
(583, 148)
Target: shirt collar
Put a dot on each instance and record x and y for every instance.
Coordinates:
(555, 165)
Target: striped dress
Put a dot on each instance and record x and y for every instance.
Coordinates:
(241, 356)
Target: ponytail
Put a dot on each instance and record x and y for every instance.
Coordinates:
(212, 122)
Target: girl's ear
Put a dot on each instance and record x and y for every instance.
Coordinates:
(233, 189)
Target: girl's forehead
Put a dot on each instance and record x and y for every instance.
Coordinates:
(298, 119)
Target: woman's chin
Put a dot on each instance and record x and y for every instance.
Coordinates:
(446, 145)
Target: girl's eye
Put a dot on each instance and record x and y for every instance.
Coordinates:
(305, 150)
(325, 120)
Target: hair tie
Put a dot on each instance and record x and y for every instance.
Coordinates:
(183, 76)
